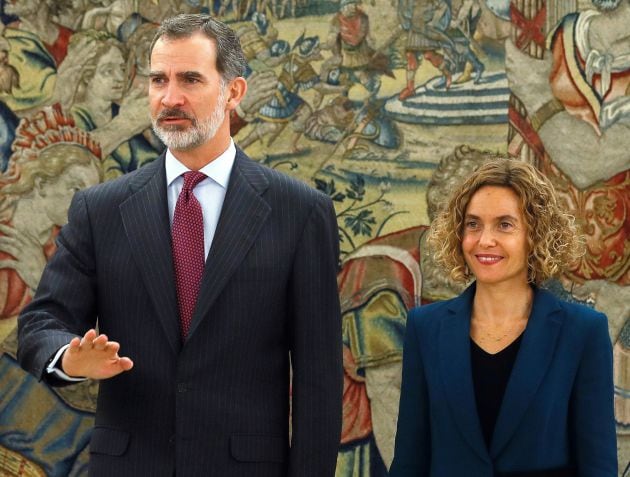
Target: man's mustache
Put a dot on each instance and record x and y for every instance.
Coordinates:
(175, 113)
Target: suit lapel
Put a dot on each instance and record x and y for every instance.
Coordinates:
(533, 359)
(145, 219)
(456, 372)
(243, 213)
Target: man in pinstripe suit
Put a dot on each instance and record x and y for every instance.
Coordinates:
(213, 399)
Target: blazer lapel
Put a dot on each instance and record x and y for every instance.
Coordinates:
(533, 359)
(243, 214)
(146, 222)
(456, 372)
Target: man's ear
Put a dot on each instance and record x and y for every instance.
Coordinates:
(236, 90)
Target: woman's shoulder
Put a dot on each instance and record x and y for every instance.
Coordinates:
(429, 315)
(584, 316)
(579, 316)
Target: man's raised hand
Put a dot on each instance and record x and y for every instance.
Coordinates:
(94, 356)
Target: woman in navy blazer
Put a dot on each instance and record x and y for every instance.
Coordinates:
(505, 379)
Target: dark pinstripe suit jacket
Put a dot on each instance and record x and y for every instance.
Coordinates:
(217, 404)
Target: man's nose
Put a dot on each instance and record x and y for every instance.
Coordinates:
(172, 96)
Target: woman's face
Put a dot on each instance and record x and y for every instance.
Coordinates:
(57, 193)
(495, 237)
(109, 77)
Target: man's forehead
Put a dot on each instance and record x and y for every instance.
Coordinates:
(198, 39)
(195, 50)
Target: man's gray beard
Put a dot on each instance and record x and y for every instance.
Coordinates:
(197, 133)
(605, 5)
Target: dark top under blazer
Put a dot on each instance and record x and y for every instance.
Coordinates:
(217, 404)
(557, 410)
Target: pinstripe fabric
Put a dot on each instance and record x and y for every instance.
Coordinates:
(216, 404)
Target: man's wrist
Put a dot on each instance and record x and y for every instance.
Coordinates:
(54, 366)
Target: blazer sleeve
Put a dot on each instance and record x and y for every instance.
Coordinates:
(592, 406)
(412, 453)
(316, 346)
(64, 303)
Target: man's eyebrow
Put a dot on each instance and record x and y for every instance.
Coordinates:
(184, 75)
(188, 75)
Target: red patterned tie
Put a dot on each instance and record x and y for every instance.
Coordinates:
(188, 251)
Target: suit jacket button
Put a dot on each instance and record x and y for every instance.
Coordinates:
(181, 387)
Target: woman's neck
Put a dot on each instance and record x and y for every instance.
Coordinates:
(502, 304)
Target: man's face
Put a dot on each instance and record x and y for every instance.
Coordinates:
(186, 92)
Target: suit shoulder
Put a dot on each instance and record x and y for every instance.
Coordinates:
(583, 316)
(116, 190)
(284, 187)
(110, 188)
(428, 316)
(579, 319)
(295, 186)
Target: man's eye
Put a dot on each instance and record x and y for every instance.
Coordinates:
(157, 80)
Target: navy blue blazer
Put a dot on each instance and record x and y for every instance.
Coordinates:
(557, 410)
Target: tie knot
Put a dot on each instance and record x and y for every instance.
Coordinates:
(191, 179)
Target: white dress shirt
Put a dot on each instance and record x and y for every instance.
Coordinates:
(209, 192)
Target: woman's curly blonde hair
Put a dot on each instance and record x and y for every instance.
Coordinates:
(552, 236)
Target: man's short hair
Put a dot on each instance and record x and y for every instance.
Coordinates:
(231, 61)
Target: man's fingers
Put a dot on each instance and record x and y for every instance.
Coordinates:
(75, 343)
(100, 342)
(125, 363)
(94, 356)
(114, 367)
(88, 338)
(112, 347)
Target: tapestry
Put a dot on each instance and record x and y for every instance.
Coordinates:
(384, 105)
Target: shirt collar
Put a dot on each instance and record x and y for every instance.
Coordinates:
(218, 169)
